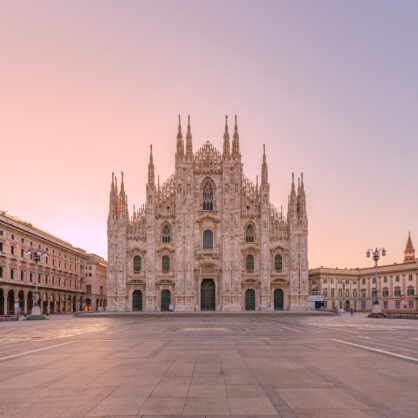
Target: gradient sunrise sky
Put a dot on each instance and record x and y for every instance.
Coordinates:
(329, 86)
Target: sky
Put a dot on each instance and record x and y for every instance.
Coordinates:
(329, 86)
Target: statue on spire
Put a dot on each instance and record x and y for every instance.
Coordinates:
(151, 173)
(264, 172)
(235, 142)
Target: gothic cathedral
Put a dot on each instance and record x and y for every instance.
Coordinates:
(207, 239)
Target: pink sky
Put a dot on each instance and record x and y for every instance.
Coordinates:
(330, 87)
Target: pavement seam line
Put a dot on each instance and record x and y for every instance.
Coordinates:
(34, 351)
(389, 353)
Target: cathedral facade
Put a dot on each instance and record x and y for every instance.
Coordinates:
(207, 239)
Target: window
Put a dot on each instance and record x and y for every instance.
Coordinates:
(397, 291)
(1, 272)
(13, 237)
(313, 281)
(39, 278)
(347, 293)
(410, 277)
(332, 280)
(22, 275)
(207, 239)
(332, 293)
(249, 263)
(278, 262)
(398, 304)
(137, 263)
(374, 293)
(324, 280)
(363, 305)
(207, 196)
(249, 233)
(385, 279)
(339, 281)
(22, 254)
(354, 281)
(385, 292)
(363, 281)
(363, 293)
(411, 304)
(410, 291)
(385, 303)
(374, 280)
(347, 281)
(31, 277)
(1, 233)
(12, 249)
(397, 278)
(166, 233)
(1, 246)
(354, 293)
(340, 293)
(12, 274)
(88, 289)
(166, 263)
(325, 292)
(101, 290)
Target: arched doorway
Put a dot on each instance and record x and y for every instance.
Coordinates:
(21, 297)
(137, 301)
(97, 304)
(278, 299)
(165, 300)
(88, 305)
(45, 305)
(1, 302)
(30, 302)
(10, 303)
(207, 295)
(347, 305)
(250, 300)
(74, 304)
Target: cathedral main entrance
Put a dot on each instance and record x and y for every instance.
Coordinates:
(278, 299)
(137, 300)
(165, 300)
(207, 295)
(250, 300)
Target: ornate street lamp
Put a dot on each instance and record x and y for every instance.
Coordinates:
(376, 255)
(36, 310)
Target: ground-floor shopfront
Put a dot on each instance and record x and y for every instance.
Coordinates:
(20, 300)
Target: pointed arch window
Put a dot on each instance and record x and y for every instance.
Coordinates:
(166, 263)
(137, 263)
(249, 263)
(208, 196)
(207, 239)
(166, 235)
(249, 233)
(278, 262)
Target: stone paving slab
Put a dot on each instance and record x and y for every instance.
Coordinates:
(283, 366)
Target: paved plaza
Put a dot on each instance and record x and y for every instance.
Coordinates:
(212, 364)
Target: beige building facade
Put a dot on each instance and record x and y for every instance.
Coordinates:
(96, 283)
(208, 238)
(397, 285)
(60, 272)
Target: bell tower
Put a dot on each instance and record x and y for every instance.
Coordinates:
(409, 253)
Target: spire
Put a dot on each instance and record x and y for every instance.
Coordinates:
(180, 142)
(189, 145)
(112, 196)
(292, 197)
(151, 174)
(226, 139)
(235, 141)
(122, 197)
(409, 253)
(264, 173)
(116, 195)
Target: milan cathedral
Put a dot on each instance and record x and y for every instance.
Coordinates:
(207, 239)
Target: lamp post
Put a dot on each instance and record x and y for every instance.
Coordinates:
(376, 255)
(36, 310)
